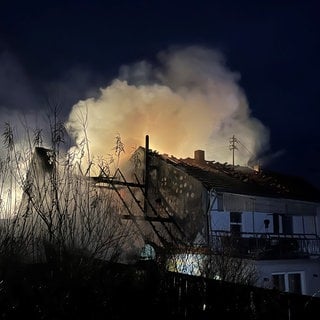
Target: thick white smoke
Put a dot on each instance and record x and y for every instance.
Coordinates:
(189, 101)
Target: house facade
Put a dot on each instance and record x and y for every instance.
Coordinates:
(269, 219)
(197, 207)
(279, 235)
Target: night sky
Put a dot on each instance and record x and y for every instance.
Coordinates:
(68, 50)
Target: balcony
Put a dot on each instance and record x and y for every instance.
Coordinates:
(266, 245)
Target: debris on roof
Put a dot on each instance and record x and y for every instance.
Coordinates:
(225, 177)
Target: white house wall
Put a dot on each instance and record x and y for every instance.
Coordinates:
(254, 222)
(236, 202)
(253, 219)
(305, 224)
(308, 268)
(220, 221)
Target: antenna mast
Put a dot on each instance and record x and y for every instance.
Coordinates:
(232, 147)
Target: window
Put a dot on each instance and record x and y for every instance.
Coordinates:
(288, 282)
(294, 281)
(235, 224)
(279, 282)
(275, 219)
(287, 226)
(235, 217)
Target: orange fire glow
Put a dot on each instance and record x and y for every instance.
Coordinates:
(190, 101)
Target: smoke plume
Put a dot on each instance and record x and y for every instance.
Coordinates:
(189, 100)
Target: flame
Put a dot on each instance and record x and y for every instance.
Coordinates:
(190, 100)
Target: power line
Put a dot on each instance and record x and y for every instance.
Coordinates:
(245, 148)
(232, 146)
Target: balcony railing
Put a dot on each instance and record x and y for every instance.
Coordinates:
(266, 245)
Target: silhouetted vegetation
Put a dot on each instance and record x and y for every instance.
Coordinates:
(62, 245)
(116, 291)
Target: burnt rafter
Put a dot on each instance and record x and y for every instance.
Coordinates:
(163, 220)
(118, 181)
(111, 183)
(105, 181)
(114, 184)
(134, 218)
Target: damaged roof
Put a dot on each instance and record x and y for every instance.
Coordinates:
(245, 180)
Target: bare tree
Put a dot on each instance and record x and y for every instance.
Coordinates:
(61, 211)
(219, 262)
(223, 264)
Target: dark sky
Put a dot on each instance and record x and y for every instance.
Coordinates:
(71, 48)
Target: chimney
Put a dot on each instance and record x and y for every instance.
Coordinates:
(199, 156)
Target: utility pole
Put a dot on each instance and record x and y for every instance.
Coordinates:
(232, 147)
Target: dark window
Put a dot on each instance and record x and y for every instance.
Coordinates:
(235, 217)
(287, 226)
(288, 282)
(275, 219)
(294, 280)
(235, 224)
(279, 282)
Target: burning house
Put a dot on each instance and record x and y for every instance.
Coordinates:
(267, 219)
(190, 211)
